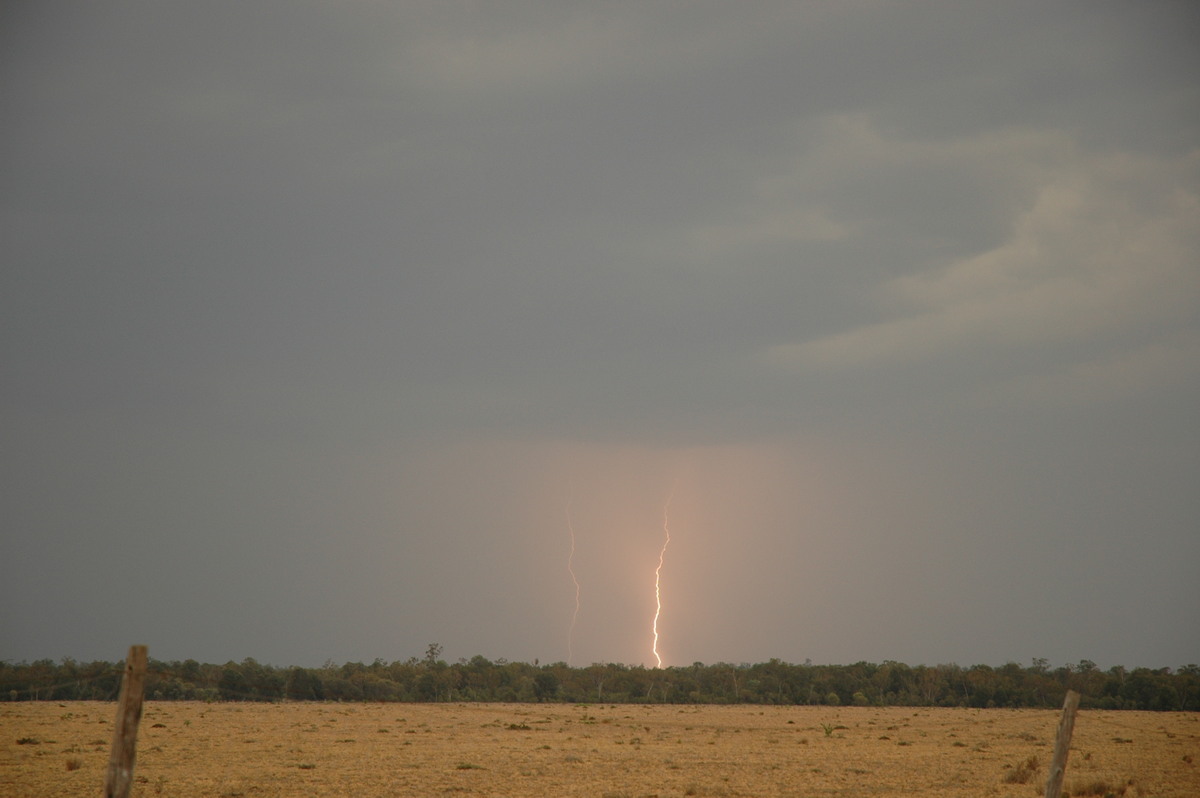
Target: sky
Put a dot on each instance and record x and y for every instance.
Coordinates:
(332, 330)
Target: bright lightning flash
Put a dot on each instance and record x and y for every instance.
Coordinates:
(575, 581)
(658, 576)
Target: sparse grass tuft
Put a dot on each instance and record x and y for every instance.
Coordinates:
(706, 792)
(1100, 787)
(1024, 772)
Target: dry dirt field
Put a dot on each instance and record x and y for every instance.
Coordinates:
(267, 750)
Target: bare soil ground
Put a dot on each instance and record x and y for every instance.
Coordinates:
(275, 750)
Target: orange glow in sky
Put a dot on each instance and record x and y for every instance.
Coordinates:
(574, 581)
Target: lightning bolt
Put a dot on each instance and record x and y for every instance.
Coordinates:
(662, 554)
(574, 581)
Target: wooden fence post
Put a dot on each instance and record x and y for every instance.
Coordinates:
(1062, 745)
(129, 711)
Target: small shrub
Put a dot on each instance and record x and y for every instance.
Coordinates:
(1024, 772)
(28, 741)
(74, 764)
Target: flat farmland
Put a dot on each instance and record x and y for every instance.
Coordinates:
(50, 749)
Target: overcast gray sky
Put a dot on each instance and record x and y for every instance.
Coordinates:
(324, 325)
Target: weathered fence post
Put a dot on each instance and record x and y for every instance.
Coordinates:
(129, 711)
(1062, 745)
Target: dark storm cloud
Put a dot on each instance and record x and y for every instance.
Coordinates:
(285, 283)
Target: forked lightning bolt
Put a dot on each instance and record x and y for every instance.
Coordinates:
(574, 581)
(662, 554)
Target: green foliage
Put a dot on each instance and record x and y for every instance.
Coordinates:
(304, 685)
(233, 685)
(480, 679)
(545, 685)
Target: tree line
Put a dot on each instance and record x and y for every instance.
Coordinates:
(431, 679)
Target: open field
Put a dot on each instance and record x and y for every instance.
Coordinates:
(266, 750)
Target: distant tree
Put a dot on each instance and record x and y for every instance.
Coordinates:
(265, 682)
(304, 685)
(545, 685)
(478, 679)
(232, 685)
